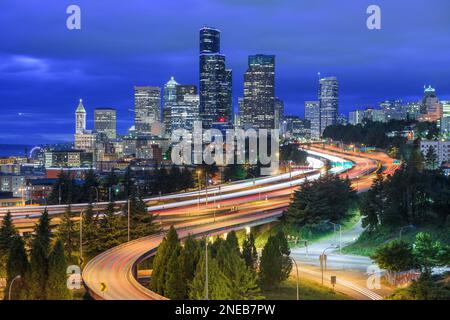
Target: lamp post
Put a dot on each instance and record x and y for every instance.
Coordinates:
(323, 259)
(296, 268)
(340, 234)
(199, 172)
(81, 237)
(96, 190)
(11, 284)
(206, 269)
(128, 219)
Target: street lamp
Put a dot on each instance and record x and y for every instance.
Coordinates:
(199, 172)
(96, 190)
(81, 237)
(11, 284)
(323, 259)
(340, 234)
(296, 267)
(206, 269)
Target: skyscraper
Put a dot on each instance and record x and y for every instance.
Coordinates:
(170, 96)
(185, 111)
(312, 114)
(259, 92)
(215, 80)
(80, 118)
(105, 122)
(279, 112)
(147, 105)
(328, 99)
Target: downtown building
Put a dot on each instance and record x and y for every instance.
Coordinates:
(312, 114)
(215, 81)
(147, 110)
(105, 120)
(328, 102)
(169, 98)
(259, 103)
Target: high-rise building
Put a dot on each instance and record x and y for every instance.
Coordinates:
(105, 122)
(355, 117)
(445, 108)
(329, 101)
(393, 110)
(184, 89)
(259, 92)
(170, 96)
(279, 112)
(215, 80)
(185, 112)
(413, 110)
(80, 118)
(312, 114)
(147, 108)
(429, 99)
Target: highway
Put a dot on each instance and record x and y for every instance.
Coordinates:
(118, 265)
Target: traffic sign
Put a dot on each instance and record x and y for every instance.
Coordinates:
(333, 281)
(103, 287)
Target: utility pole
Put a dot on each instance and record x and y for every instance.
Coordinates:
(81, 237)
(128, 219)
(296, 267)
(11, 284)
(206, 269)
(206, 187)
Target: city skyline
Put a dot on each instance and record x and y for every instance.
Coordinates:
(55, 77)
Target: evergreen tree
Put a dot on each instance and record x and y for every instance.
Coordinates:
(142, 222)
(219, 287)
(112, 229)
(56, 286)
(37, 280)
(270, 267)
(427, 252)
(190, 256)
(249, 252)
(7, 235)
(243, 282)
(431, 158)
(373, 205)
(395, 256)
(67, 233)
(232, 242)
(275, 263)
(170, 245)
(175, 286)
(17, 264)
(90, 229)
(42, 232)
(88, 189)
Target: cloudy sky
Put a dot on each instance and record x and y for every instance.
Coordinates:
(45, 68)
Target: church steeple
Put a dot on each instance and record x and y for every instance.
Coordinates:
(80, 118)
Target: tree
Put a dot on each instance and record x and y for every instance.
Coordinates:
(112, 229)
(249, 252)
(56, 286)
(7, 235)
(372, 206)
(395, 256)
(175, 286)
(88, 193)
(271, 263)
(232, 242)
(161, 272)
(431, 158)
(243, 282)
(190, 256)
(17, 264)
(67, 233)
(43, 232)
(426, 251)
(142, 222)
(90, 230)
(37, 280)
(219, 287)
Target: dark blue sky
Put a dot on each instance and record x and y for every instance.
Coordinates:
(45, 69)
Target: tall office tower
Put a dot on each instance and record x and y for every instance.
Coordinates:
(328, 100)
(215, 80)
(312, 114)
(105, 122)
(355, 117)
(147, 105)
(279, 112)
(184, 89)
(184, 112)
(445, 108)
(259, 92)
(170, 96)
(393, 110)
(429, 99)
(80, 118)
